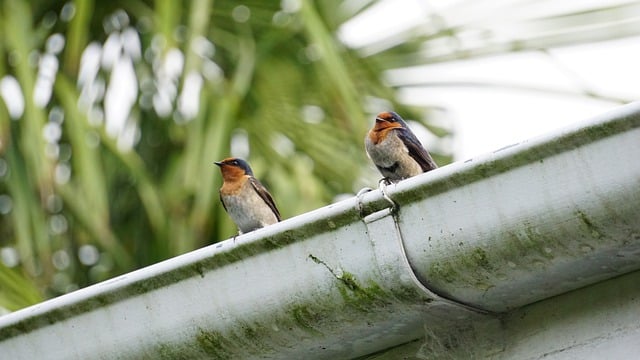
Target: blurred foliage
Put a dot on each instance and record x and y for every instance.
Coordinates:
(80, 203)
(275, 79)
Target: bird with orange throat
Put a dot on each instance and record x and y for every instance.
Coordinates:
(395, 150)
(245, 199)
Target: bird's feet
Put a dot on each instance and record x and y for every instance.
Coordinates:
(382, 185)
(385, 180)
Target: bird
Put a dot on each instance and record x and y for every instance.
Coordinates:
(244, 198)
(395, 150)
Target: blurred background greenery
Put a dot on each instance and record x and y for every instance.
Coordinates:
(106, 159)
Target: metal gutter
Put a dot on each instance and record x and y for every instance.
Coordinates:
(532, 220)
(494, 233)
(326, 284)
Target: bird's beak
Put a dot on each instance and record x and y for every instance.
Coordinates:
(378, 119)
(219, 163)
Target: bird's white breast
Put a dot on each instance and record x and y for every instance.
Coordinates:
(392, 153)
(248, 210)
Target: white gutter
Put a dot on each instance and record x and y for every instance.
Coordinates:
(532, 220)
(494, 233)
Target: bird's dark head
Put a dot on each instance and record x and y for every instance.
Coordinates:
(387, 120)
(233, 168)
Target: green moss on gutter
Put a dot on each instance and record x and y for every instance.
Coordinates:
(595, 232)
(164, 351)
(305, 318)
(364, 298)
(527, 249)
(480, 258)
(350, 281)
(443, 271)
(248, 338)
(268, 334)
(214, 344)
(466, 267)
(354, 294)
(297, 322)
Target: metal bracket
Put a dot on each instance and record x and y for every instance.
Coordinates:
(384, 232)
(382, 185)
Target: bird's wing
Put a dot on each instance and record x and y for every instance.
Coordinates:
(416, 150)
(222, 201)
(264, 194)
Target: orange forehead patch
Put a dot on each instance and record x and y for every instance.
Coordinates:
(385, 115)
(229, 159)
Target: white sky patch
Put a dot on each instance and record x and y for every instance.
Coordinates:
(173, 64)
(111, 50)
(380, 20)
(131, 43)
(9, 255)
(532, 69)
(167, 75)
(609, 67)
(290, 6)
(162, 101)
(129, 136)
(485, 121)
(89, 63)
(312, 114)
(52, 132)
(282, 144)
(11, 93)
(117, 56)
(121, 95)
(47, 70)
(189, 101)
(55, 44)
(91, 87)
(203, 47)
(240, 144)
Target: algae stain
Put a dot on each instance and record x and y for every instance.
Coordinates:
(305, 318)
(198, 268)
(469, 268)
(589, 224)
(249, 332)
(353, 293)
(363, 298)
(344, 277)
(448, 271)
(213, 343)
(350, 281)
(444, 271)
(479, 256)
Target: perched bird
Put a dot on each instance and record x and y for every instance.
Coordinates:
(245, 199)
(395, 150)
